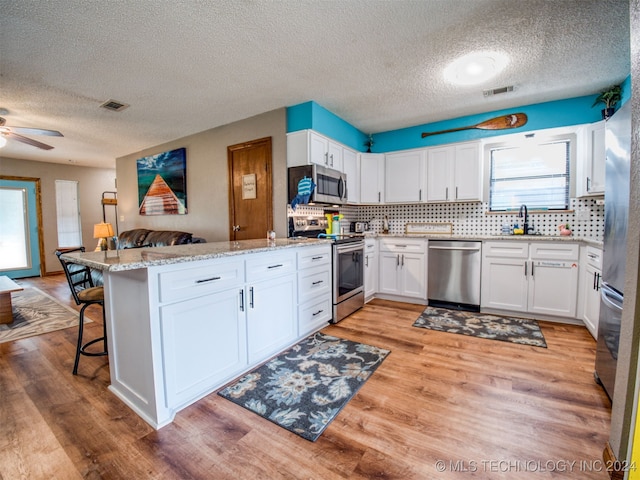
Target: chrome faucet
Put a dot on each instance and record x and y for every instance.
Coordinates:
(523, 214)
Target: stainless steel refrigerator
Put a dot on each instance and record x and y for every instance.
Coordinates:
(616, 216)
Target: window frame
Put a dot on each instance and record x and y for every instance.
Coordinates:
(517, 140)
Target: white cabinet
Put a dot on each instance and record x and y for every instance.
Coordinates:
(402, 266)
(590, 287)
(203, 343)
(591, 160)
(404, 176)
(454, 173)
(306, 147)
(315, 308)
(370, 268)
(351, 167)
(270, 304)
(372, 178)
(535, 277)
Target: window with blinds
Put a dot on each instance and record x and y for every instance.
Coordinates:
(533, 174)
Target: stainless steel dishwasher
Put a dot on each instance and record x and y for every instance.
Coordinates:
(454, 274)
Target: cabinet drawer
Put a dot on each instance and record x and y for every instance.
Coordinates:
(370, 245)
(594, 257)
(313, 282)
(314, 315)
(191, 282)
(402, 245)
(314, 256)
(555, 251)
(262, 266)
(506, 249)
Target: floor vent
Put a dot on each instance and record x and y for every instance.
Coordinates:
(498, 91)
(114, 105)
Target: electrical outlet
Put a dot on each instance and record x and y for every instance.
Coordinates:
(582, 214)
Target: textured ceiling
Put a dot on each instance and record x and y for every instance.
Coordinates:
(186, 66)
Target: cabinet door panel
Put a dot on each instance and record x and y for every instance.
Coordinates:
(504, 284)
(351, 168)
(203, 343)
(439, 163)
(370, 274)
(403, 177)
(553, 288)
(371, 178)
(389, 279)
(318, 149)
(414, 278)
(591, 285)
(271, 322)
(467, 173)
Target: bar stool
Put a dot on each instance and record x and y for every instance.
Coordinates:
(84, 293)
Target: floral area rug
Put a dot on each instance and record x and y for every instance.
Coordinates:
(304, 388)
(35, 313)
(508, 329)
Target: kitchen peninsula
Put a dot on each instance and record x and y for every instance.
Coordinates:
(184, 320)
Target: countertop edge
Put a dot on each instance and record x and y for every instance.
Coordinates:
(138, 258)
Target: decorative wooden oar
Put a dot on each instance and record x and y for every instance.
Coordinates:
(513, 120)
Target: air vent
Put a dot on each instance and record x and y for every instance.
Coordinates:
(114, 105)
(498, 91)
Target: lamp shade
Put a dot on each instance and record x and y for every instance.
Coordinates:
(102, 230)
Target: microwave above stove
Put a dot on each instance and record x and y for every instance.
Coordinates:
(330, 185)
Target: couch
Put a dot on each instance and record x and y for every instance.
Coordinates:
(142, 237)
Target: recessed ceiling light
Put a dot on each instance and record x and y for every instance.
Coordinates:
(475, 68)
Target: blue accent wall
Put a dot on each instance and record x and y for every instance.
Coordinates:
(560, 113)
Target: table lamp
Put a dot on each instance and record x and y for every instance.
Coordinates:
(102, 231)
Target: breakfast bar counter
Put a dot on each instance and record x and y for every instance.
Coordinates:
(184, 320)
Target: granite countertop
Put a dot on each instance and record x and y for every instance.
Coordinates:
(135, 258)
(520, 238)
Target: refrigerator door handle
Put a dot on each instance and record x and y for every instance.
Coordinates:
(610, 298)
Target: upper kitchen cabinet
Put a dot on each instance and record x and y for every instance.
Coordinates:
(591, 160)
(351, 168)
(306, 147)
(404, 176)
(371, 178)
(454, 173)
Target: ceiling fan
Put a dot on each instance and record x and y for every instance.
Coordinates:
(17, 133)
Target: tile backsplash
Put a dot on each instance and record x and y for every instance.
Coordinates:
(586, 218)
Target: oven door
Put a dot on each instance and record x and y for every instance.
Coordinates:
(348, 270)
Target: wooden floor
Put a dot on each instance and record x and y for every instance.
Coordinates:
(440, 406)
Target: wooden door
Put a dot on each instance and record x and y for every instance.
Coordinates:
(250, 190)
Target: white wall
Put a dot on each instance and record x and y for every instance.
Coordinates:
(92, 182)
(207, 178)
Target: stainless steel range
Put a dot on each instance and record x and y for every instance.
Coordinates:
(348, 263)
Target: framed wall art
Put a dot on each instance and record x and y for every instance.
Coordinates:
(162, 183)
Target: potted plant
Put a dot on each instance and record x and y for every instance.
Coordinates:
(369, 143)
(610, 97)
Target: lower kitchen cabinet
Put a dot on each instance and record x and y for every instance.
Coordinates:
(535, 277)
(203, 343)
(403, 268)
(370, 268)
(315, 307)
(271, 320)
(591, 277)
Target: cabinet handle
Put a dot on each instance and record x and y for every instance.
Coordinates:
(378, 197)
(318, 282)
(397, 261)
(251, 297)
(532, 268)
(317, 258)
(456, 193)
(596, 281)
(326, 158)
(588, 184)
(331, 156)
(205, 280)
(366, 260)
(317, 313)
(274, 266)
(420, 194)
(446, 193)
(403, 259)
(525, 268)
(242, 300)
